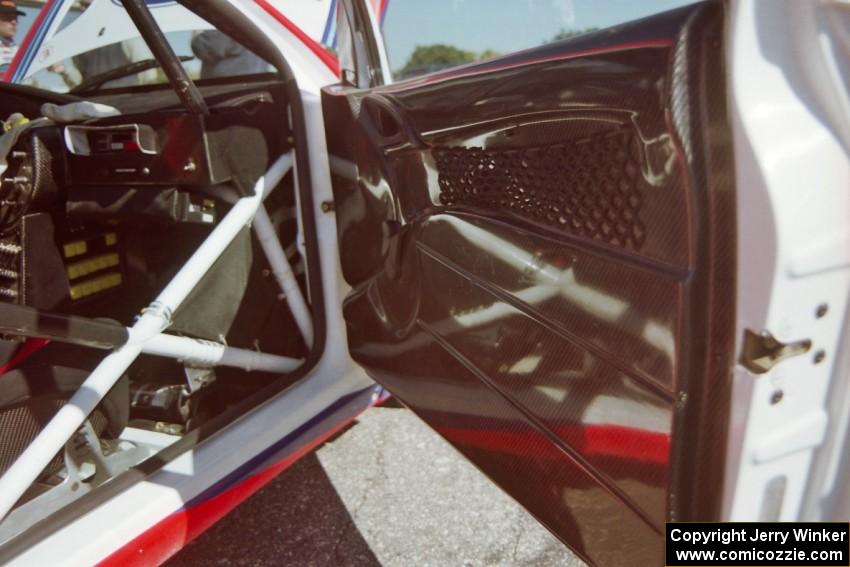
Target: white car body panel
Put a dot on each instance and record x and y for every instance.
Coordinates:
(792, 150)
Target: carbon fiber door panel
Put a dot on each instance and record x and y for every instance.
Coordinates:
(541, 250)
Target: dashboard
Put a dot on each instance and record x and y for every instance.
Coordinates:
(106, 202)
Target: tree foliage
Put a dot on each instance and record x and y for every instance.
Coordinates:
(567, 34)
(430, 58)
(427, 58)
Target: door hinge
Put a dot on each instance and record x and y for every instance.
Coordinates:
(762, 351)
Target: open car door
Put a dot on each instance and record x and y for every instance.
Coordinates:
(542, 254)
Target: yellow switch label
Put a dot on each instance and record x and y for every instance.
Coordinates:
(95, 285)
(86, 267)
(76, 248)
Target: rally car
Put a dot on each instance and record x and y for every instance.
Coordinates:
(611, 270)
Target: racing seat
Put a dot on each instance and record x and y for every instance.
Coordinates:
(32, 392)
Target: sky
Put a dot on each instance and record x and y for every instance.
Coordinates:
(502, 25)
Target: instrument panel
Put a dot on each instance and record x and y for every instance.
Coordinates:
(172, 149)
(168, 149)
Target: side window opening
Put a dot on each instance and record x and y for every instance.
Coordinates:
(424, 37)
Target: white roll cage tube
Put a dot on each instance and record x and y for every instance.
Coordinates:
(146, 335)
(282, 271)
(279, 264)
(198, 352)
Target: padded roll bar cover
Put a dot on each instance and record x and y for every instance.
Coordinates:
(30, 322)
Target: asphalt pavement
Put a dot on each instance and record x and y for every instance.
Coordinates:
(388, 491)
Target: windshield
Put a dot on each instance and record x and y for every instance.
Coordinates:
(89, 45)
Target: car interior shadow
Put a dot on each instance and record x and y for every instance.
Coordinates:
(296, 519)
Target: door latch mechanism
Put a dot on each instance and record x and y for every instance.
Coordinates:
(762, 351)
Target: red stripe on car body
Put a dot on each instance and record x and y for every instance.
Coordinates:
(327, 57)
(170, 535)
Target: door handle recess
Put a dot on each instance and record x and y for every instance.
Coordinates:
(386, 121)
